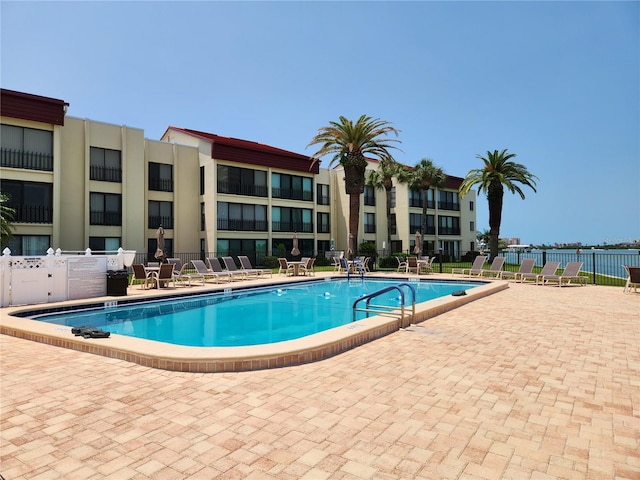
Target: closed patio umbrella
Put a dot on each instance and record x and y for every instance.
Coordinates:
(160, 247)
(417, 249)
(294, 251)
(351, 250)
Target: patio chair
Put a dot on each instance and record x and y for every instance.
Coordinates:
(245, 263)
(548, 268)
(494, 271)
(140, 273)
(307, 268)
(525, 267)
(476, 267)
(337, 264)
(570, 274)
(633, 278)
(216, 268)
(402, 264)
(231, 266)
(165, 275)
(412, 265)
(206, 273)
(286, 268)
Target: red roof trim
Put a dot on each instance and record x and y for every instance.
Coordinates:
(27, 106)
(245, 151)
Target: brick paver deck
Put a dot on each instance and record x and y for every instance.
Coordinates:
(529, 383)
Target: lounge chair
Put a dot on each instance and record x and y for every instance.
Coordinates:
(206, 273)
(633, 278)
(216, 268)
(245, 263)
(525, 267)
(548, 268)
(286, 268)
(495, 270)
(402, 264)
(231, 266)
(140, 273)
(476, 267)
(165, 275)
(570, 274)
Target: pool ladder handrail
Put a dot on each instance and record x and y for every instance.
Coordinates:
(386, 309)
(345, 264)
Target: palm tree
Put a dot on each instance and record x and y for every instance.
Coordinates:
(382, 179)
(499, 171)
(424, 176)
(6, 216)
(349, 143)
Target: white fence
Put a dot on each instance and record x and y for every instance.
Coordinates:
(55, 277)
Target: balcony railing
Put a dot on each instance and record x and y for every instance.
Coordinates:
(32, 214)
(242, 189)
(160, 184)
(293, 194)
(416, 202)
(323, 200)
(106, 174)
(449, 230)
(369, 229)
(292, 227)
(449, 206)
(29, 160)
(99, 217)
(243, 225)
(156, 220)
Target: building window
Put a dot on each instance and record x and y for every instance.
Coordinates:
(26, 148)
(160, 213)
(471, 205)
(242, 217)
(104, 244)
(323, 246)
(25, 245)
(448, 225)
(369, 223)
(242, 181)
(106, 165)
(472, 226)
(152, 245)
(415, 224)
(448, 200)
(393, 226)
(105, 209)
(323, 194)
(392, 202)
(285, 219)
(369, 196)
(291, 186)
(323, 223)
(396, 246)
(160, 177)
(202, 180)
(202, 217)
(256, 250)
(32, 201)
(415, 198)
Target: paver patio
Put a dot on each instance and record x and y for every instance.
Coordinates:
(529, 383)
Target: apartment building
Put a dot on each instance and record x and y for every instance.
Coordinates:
(79, 183)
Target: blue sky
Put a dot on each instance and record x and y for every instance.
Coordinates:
(557, 83)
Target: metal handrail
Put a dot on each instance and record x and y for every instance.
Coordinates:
(385, 308)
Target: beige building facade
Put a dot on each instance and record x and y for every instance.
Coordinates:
(79, 183)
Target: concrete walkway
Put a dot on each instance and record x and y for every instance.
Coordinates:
(529, 383)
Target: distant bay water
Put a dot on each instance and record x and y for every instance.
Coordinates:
(600, 261)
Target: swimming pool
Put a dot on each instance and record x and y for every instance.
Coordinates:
(240, 317)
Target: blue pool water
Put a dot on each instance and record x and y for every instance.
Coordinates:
(248, 316)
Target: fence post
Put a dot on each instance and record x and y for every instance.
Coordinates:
(593, 258)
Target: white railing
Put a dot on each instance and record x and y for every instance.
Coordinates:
(57, 276)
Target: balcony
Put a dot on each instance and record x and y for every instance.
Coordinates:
(99, 217)
(156, 220)
(28, 160)
(242, 225)
(449, 206)
(32, 214)
(242, 189)
(160, 184)
(292, 227)
(293, 194)
(449, 230)
(106, 174)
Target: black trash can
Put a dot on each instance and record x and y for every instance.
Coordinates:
(117, 282)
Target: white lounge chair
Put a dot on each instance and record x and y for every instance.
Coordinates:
(495, 270)
(571, 273)
(548, 268)
(206, 273)
(230, 263)
(216, 268)
(247, 267)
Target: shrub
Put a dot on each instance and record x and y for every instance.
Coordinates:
(270, 262)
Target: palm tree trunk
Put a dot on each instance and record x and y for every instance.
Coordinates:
(495, 195)
(388, 195)
(354, 217)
